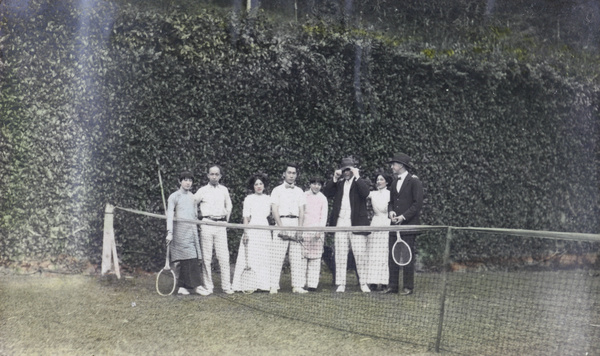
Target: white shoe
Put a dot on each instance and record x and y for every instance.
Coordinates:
(202, 291)
(183, 291)
(299, 290)
(341, 289)
(365, 288)
(273, 290)
(228, 291)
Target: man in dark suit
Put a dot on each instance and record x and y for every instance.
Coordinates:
(349, 193)
(406, 201)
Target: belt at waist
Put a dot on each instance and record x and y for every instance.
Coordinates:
(214, 218)
(289, 216)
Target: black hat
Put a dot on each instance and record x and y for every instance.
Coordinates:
(402, 159)
(347, 163)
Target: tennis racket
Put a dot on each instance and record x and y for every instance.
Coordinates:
(166, 282)
(291, 237)
(401, 252)
(248, 277)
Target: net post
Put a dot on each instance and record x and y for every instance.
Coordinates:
(109, 247)
(445, 270)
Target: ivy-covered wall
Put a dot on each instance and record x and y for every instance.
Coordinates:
(91, 98)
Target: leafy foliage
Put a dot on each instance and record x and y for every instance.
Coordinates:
(92, 97)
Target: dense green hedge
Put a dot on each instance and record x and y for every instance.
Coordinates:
(87, 110)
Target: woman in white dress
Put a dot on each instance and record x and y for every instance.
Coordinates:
(257, 207)
(378, 273)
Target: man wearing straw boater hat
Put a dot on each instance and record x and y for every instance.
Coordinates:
(406, 201)
(349, 193)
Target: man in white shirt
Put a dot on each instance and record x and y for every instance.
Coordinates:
(349, 193)
(215, 205)
(287, 206)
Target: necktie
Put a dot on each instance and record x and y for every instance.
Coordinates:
(289, 186)
(398, 184)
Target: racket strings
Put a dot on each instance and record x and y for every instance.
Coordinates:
(166, 282)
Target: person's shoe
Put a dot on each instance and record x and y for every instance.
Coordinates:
(406, 291)
(341, 289)
(183, 291)
(299, 290)
(228, 291)
(310, 289)
(202, 291)
(389, 290)
(273, 290)
(364, 288)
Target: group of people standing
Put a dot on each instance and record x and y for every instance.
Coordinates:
(263, 251)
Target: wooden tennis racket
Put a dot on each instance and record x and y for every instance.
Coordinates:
(248, 277)
(401, 252)
(166, 282)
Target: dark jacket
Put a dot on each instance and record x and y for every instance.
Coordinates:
(408, 201)
(359, 191)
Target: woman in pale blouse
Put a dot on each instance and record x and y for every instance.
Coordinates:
(257, 207)
(377, 243)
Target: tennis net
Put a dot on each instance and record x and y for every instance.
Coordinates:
(477, 291)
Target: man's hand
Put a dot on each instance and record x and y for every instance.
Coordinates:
(399, 219)
(337, 174)
(355, 172)
(392, 215)
(169, 237)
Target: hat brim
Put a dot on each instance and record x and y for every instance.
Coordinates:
(403, 163)
(346, 167)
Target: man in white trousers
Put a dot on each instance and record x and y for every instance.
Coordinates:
(215, 205)
(287, 206)
(349, 193)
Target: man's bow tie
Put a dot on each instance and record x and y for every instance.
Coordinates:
(289, 186)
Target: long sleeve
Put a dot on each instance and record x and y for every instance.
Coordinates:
(323, 213)
(417, 200)
(363, 188)
(228, 204)
(171, 212)
(330, 189)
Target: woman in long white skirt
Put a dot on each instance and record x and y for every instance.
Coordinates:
(378, 272)
(257, 207)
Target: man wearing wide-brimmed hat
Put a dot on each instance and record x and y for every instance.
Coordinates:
(349, 193)
(406, 201)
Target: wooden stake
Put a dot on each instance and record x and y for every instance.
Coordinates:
(109, 247)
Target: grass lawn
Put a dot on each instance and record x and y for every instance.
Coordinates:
(53, 314)
(486, 313)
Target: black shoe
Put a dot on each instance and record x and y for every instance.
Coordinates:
(407, 291)
(311, 289)
(389, 290)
